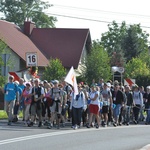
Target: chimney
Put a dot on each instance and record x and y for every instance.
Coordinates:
(28, 27)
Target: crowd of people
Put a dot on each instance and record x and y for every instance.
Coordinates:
(55, 102)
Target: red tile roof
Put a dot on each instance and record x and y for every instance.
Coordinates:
(65, 44)
(13, 36)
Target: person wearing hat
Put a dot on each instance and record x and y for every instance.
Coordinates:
(137, 102)
(56, 108)
(94, 106)
(20, 105)
(27, 101)
(128, 105)
(146, 98)
(118, 99)
(10, 95)
(37, 95)
(106, 98)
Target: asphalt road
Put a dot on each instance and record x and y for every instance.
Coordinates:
(19, 137)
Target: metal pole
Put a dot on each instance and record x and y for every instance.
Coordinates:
(113, 78)
(4, 64)
(121, 79)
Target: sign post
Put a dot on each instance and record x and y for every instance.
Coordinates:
(117, 69)
(31, 59)
(5, 58)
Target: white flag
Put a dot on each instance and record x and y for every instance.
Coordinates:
(71, 79)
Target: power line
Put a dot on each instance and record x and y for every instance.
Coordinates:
(103, 11)
(87, 19)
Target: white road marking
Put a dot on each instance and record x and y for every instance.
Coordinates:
(56, 133)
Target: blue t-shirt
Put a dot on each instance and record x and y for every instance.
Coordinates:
(22, 86)
(10, 91)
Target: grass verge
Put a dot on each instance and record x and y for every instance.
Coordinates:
(3, 114)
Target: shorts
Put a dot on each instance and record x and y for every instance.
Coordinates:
(94, 109)
(35, 110)
(117, 110)
(53, 108)
(105, 109)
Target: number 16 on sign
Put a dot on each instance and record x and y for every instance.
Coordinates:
(31, 59)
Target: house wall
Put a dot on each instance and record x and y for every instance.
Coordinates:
(82, 61)
(14, 62)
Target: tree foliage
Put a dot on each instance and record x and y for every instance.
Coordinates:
(145, 57)
(54, 70)
(3, 46)
(127, 41)
(18, 11)
(138, 69)
(97, 63)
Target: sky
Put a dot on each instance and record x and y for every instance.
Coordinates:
(97, 14)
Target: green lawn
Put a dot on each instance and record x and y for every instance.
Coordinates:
(3, 114)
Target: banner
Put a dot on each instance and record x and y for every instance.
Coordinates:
(129, 82)
(71, 79)
(16, 75)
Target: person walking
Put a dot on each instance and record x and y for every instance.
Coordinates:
(138, 103)
(36, 106)
(94, 106)
(118, 100)
(10, 95)
(147, 104)
(128, 105)
(106, 98)
(77, 106)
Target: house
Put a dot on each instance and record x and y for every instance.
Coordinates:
(68, 45)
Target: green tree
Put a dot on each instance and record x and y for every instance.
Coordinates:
(3, 46)
(127, 41)
(18, 11)
(145, 57)
(97, 64)
(135, 42)
(54, 70)
(137, 69)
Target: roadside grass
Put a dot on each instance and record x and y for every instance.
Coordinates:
(3, 114)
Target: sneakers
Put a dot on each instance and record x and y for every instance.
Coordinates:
(9, 123)
(40, 124)
(135, 122)
(88, 126)
(114, 124)
(97, 126)
(15, 119)
(104, 124)
(50, 126)
(75, 127)
(30, 124)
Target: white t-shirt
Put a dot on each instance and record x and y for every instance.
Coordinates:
(92, 95)
(138, 98)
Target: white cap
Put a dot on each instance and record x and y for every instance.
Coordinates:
(55, 82)
(148, 87)
(108, 84)
(16, 82)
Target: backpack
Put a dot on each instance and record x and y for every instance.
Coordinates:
(50, 100)
(139, 95)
